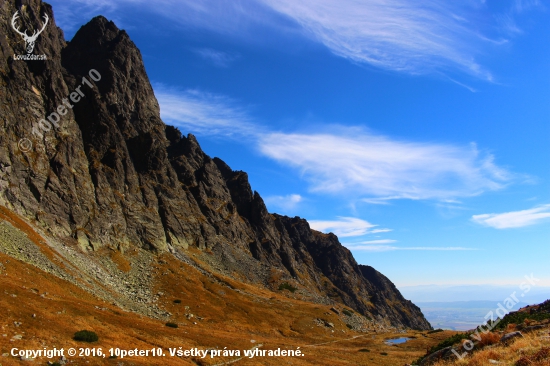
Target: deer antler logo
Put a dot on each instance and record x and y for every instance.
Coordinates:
(29, 40)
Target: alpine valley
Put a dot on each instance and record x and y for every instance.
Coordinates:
(116, 223)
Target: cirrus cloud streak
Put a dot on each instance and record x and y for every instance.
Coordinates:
(204, 113)
(515, 219)
(409, 36)
(286, 203)
(345, 226)
(390, 248)
(385, 168)
(415, 37)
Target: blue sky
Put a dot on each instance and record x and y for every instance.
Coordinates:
(419, 132)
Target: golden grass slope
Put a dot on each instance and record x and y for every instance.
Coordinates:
(533, 349)
(212, 312)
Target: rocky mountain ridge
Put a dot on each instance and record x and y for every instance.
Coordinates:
(114, 176)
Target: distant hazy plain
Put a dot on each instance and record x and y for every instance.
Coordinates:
(465, 307)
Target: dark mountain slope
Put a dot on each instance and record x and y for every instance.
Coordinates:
(114, 175)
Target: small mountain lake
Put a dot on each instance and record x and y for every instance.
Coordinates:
(391, 342)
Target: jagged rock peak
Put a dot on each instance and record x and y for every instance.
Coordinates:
(113, 174)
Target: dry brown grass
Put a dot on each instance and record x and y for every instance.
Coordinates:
(23, 226)
(488, 339)
(533, 350)
(232, 315)
(229, 319)
(121, 262)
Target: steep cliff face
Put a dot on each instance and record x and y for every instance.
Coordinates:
(384, 292)
(113, 174)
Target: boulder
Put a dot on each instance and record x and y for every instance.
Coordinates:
(443, 354)
(509, 336)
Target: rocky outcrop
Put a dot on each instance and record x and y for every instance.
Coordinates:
(111, 173)
(509, 336)
(440, 355)
(384, 292)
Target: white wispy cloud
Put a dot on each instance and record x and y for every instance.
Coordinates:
(204, 113)
(507, 21)
(72, 15)
(377, 200)
(390, 248)
(363, 163)
(411, 36)
(344, 226)
(525, 5)
(515, 219)
(226, 17)
(218, 58)
(507, 24)
(382, 245)
(369, 242)
(416, 37)
(377, 231)
(350, 161)
(286, 203)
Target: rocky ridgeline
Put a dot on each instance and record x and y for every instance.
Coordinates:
(111, 174)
